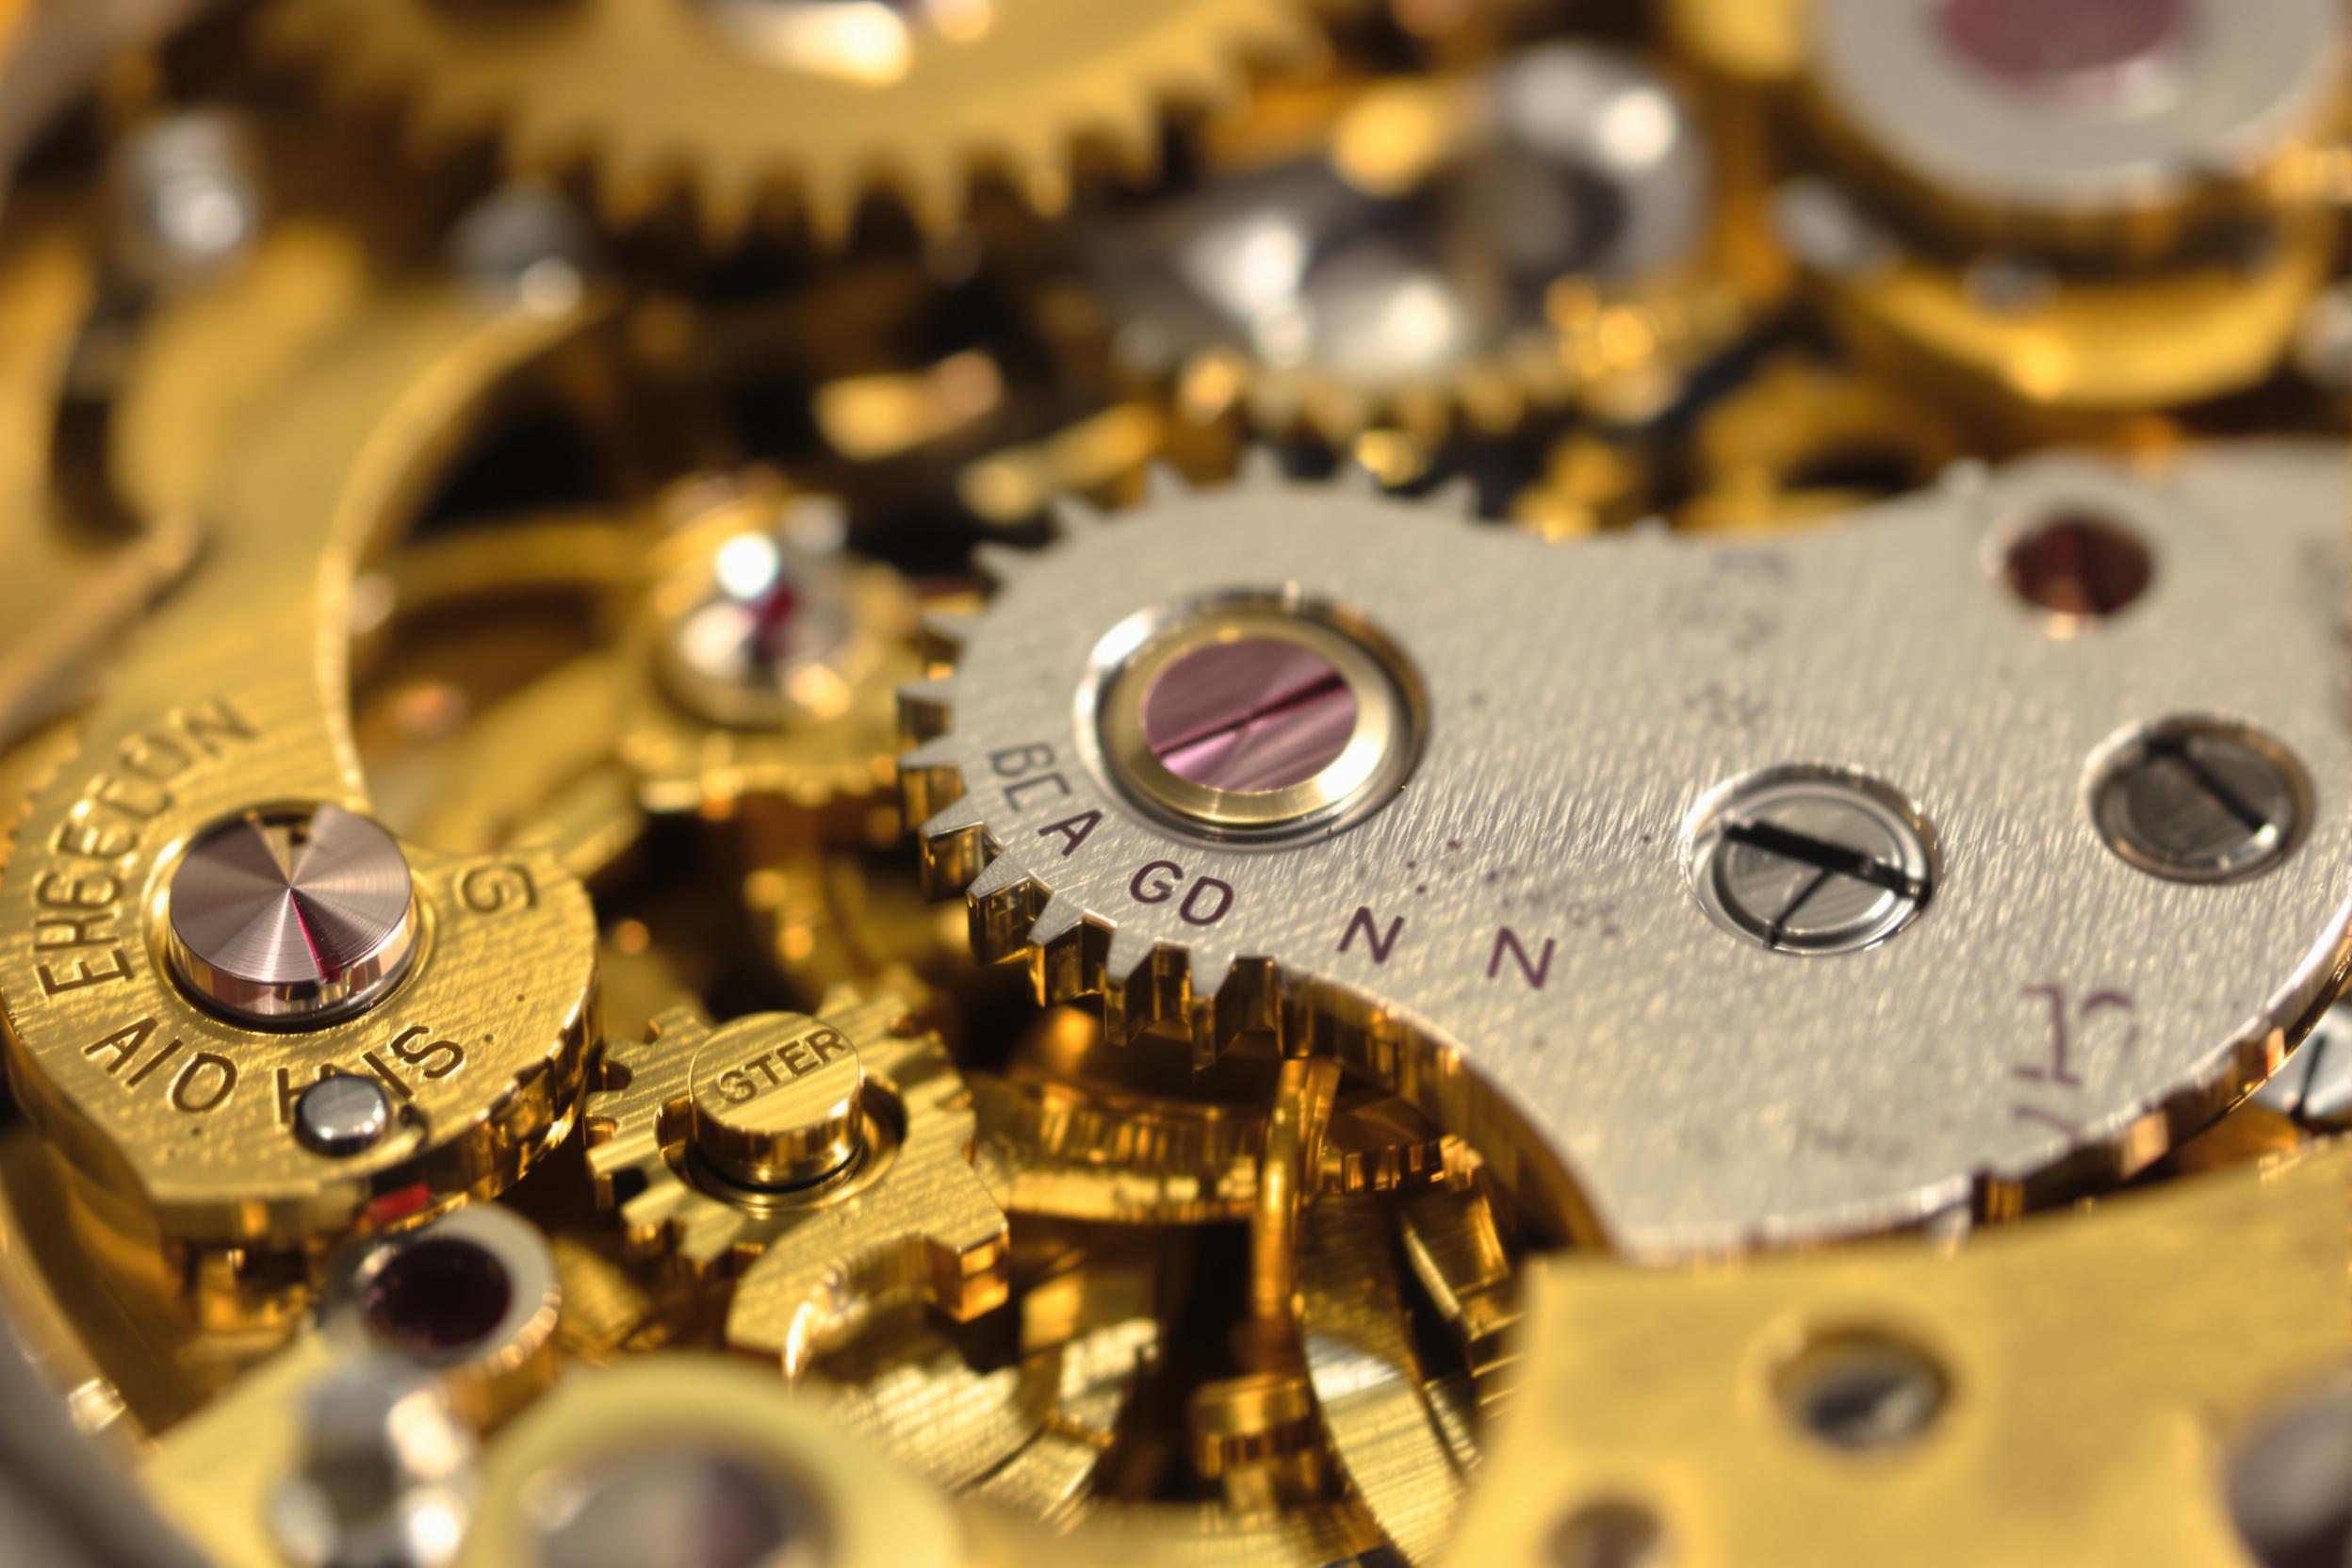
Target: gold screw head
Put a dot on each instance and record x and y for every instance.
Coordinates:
(775, 1099)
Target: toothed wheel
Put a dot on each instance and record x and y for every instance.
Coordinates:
(828, 1159)
(1718, 892)
(765, 108)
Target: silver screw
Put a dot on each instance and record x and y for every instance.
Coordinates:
(1862, 1392)
(341, 1115)
(386, 1479)
(1811, 861)
(2201, 800)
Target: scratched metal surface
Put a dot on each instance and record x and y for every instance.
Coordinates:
(1702, 1091)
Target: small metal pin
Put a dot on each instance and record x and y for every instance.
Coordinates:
(2200, 800)
(341, 1115)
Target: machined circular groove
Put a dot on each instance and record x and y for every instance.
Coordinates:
(1355, 770)
(291, 917)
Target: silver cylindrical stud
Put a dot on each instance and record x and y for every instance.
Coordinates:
(291, 918)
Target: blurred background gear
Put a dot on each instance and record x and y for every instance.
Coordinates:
(1199, 781)
(751, 110)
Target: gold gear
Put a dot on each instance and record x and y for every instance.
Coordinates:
(2079, 358)
(1025, 1432)
(654, 97)
(904, 1216)
(178, 1115)
(1079, 1129)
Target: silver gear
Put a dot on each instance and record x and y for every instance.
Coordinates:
(1510, 937)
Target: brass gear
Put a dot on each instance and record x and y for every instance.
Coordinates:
(907, 1218)
(757, 116)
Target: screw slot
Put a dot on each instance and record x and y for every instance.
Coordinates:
(1862, 1391)
(1810, 861)
(2080, 566)
(1254, 719)
(2200, 800)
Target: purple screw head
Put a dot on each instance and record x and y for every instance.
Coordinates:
(1253, 715)
(2048, 43)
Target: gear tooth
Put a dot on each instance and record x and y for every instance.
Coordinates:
(950, 861)
(1353, 479)
(1163, 483)
(1249, 999)
(924, 707)
(1205, 82)
(1128, 130)
(627, 189)
(934, 195)
(1045, 184)
(432, 128)
(1142, 982)
(1207, 974)
(998, 564)
(1072, 514)
(1130, 952)
(830, 209)
(676, 1022)
(1263, 464)
(958, 815)
(937, 752)
(928, 780)
(1458, 495)
(1065, 952)
(1003, 875)
(948, 632)
(1061, 916)
(1274, 402)
(1005, 903)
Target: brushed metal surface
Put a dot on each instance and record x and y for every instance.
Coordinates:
(1583, 700)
